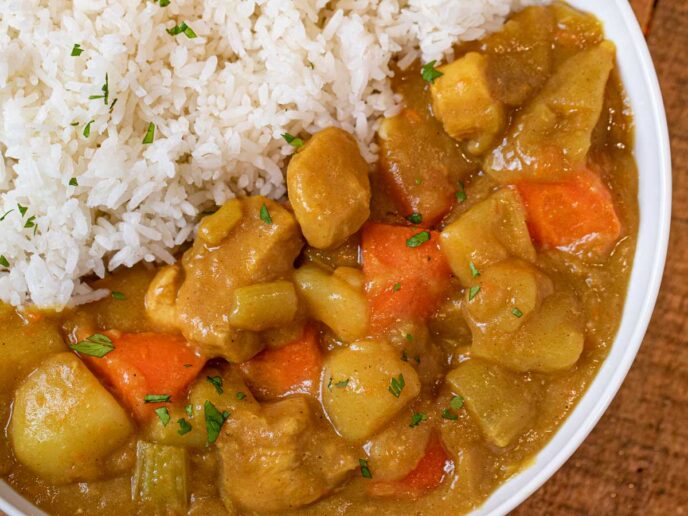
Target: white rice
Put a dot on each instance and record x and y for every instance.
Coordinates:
(220, 102)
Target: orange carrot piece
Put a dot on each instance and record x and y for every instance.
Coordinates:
(293, 368)
(147, 363)
(426, 476)
(572, 215)
(402, 283)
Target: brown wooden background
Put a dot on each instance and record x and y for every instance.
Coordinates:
(636, 460)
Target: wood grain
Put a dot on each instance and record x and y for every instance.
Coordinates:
(636, 460)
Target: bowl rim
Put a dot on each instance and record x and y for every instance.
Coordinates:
(518, 488)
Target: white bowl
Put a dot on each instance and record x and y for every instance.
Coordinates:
(654, 165)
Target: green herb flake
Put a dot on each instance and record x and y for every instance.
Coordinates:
(184, 426)
(73, 182)
(429, 72)
(341, 384)
(448, 414)
(397, 385)
(22, 209)
(112, 106)
(415, 218)
(456, 402)
(472, 292)
(409, 337)
(30, 222)
(329, 384)
(417, 418)
(4, 261)
(265, 214)
(293, 140)
(217, 383)
(240, 396)
(182, 28)
(418, 239)
(119, 296)
(97, 345)
(163, 415)
(404, 356)
(4, 216)
(157, 398)
(87, 129)
(418, 181)
(105, 88)
(213, 421)
(76, 50)
(189, 410)
(474, 270)
(150, 134)
(461, 193)
(74, 124)
(516, 312)
(164, 3)
(396, 287)
(365, 470)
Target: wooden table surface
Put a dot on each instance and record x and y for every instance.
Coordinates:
(636, 460)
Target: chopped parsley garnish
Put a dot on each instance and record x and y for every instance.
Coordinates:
(517, 312)
(188, 365)
(214, 421)
(73, 182)
(456, 402)
(87, 129)
(365, 470)
(448, 414)
(157, 398)
(4, 216)
(112, 106)
(76, 50)
(429, 72)
(418, 239)
(397, 385)
(4, 261)
(417, 418)
(30, 222)
(119, 296)
(341, 384)
(182, 28)
(404, 356)
(184, 426)
(293, 140)
(240, 396)
(217, 383)
(396, 287)
(474, 270)
(164, 3)
(461, 193)
(189, 410)
(415, 218)
(74, 124)
(409, 337)
(22, 209)
(265, 214)
(97, 345)
(163, 414)
(473, 292)
(150, 134)
(419, 181)
(105, 88)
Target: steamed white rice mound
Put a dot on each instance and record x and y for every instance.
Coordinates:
(219, 102)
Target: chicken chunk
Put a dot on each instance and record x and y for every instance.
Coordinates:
(261, 247)
(329, 188)
(281, 458)
(462, 101)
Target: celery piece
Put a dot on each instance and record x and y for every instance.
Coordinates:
(160, 479)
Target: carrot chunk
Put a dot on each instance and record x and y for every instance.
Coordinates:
(575, 215)
(293, 368)
(426, 476)
(406, 274)
(147, 364)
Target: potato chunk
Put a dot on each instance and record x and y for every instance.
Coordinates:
(500, 401)
(64, 422)
(462, 101)
(281, 458)
(329, 188)
(364, 386)
(552, 135)
(486, 234)
(255, 250)
(333, 301)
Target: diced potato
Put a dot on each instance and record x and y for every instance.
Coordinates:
(24, 343)
(486, 234)
(395, 452)
(501, 401)
(352, 276)
(160, 479)
(552, 135)
(214, 228)
(333, 301)
(506, 287)
(162, 295)
(264, 305)
(462, 101)
(370, 384)
(550, 340)
(329, 188)
(64, 422)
